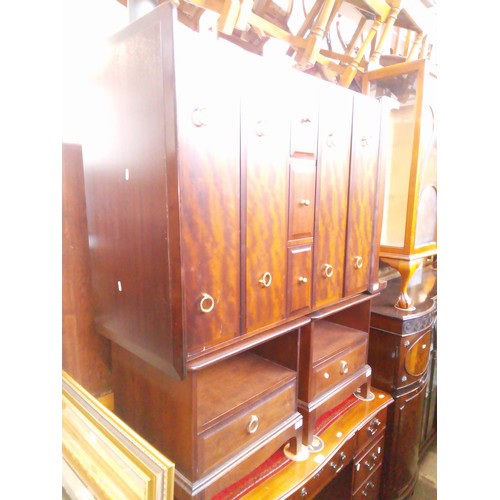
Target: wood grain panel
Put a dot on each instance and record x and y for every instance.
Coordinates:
(209, 165)
(362, 193)
(86, 356)
(417, 357)
(334, 153)
(265, 142)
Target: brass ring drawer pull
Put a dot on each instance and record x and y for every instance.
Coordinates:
(330, 141)
(327, 271)
(207, 303)
(305, 203)
(253, 425)
(266, 280)
(344, 367)
(302, 279)
(358, 262)
(200, 116)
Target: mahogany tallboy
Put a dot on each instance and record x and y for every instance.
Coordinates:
(234, 218)
(401, 350)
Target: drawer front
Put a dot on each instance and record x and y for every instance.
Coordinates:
(364, 467)
(304, 122)
(370, 488)
(302, 189)
(372, 430)
(233, 435)
(329, 470)
(299, 278)
(331, 372)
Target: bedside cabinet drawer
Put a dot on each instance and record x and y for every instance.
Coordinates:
(234, 434)
(364, 466)
(370, 488)
(332, 371)
(371, 430)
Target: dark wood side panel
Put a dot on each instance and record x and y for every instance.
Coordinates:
(265, 143)
(209, 163)
(126, 168)
(86, 356)
(362, 193)
(334, 153)
(383, 357)
(158, 408)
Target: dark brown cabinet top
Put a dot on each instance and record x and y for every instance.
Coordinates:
(330, 339)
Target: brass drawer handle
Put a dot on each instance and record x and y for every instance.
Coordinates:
(358, 262)
(266, 280)
(302, 279)
(327, 271)
(372, 430)
(305, 203)
(211, 303)
(369, 484)
(370, 466)
(200, 116)
(344, 367)
(253, 425)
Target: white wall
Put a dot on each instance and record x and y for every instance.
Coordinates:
(86, 26)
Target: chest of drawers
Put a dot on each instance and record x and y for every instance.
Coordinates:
(223, 211)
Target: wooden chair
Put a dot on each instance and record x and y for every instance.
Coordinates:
(410, 24)
(317, 24)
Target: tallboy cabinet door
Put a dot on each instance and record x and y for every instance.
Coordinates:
(265, 142)
(362, 193)
(334, 152)
(208, 135)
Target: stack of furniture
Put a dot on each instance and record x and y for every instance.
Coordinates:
(401, 354)
(234, 219)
